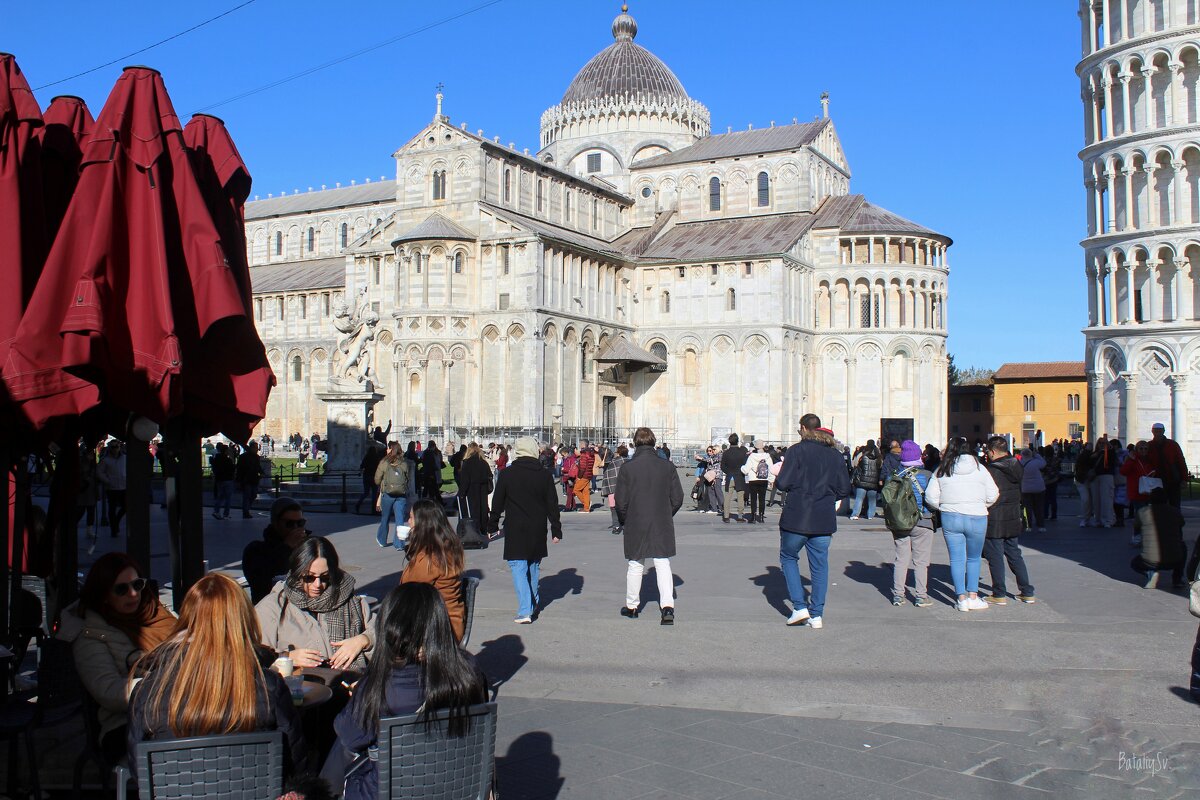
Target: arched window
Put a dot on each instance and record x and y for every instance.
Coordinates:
(567, 203)
(1032, 403)
(731, 300)
(508, 185)
(664, 304)
(595, 213)
(458, 263)
(714, 194)
(278, 243)
(540, 186)
(417, 262)
(439, 184)
(585, 361)
(345, 235)
(297, 369)
(312, 239)
(659, 349)
(690, 368)
(506, 258)
(764, 190)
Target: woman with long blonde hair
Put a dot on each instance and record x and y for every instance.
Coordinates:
(212, 676)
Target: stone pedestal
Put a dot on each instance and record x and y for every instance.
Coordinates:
(349, 414)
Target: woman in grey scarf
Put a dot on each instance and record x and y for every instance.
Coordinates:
(314, 614)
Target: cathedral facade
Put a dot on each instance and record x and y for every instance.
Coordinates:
(636, 270)
(1140, 77)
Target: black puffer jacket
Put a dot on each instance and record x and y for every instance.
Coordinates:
(528, 499)
(1004, 516)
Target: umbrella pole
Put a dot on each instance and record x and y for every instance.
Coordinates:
(63, 491)
(185, 509)
(19, 483)
(6, 529)
(138, 467)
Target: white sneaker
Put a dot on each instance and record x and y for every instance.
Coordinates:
(798, 617)
(523, 620)
(1083, 523)
(976, 604)
(961, 605)
(1041, 530)
(854, 519)
(816, 623)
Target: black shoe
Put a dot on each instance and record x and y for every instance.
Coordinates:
(725, 520)
(753, 519)
(668, 616)
(245, 515)
(631, 613)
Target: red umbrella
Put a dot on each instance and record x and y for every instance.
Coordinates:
(137, 268)
(226, 388)
(68, 124)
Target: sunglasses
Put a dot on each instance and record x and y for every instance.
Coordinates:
(324, 578)
(122, 589)
(293, 523)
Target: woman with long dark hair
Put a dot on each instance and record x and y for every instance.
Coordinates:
(962, 489)
(866, 480)
(417, 666)
(315, 614)
(212, 676)
(435, 556)
(116, 619)
(431, 471)
(475, 485)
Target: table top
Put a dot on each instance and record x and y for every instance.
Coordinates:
(325, 675)
(5, 653)
(315, 694)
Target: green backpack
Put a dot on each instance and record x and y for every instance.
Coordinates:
(901, 513)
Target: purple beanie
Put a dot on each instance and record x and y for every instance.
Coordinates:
(910, 453)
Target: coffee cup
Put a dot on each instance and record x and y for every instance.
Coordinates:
(283, 665)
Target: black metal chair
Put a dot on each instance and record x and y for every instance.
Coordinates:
(470, 585)
(418, 762)
(238, 766)
(92, 751)
(57, 698)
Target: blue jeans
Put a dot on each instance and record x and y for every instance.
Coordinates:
(790, 545)
(965, 534)
(525, 581)
(391, 507)
(859, 494)
(224, 497)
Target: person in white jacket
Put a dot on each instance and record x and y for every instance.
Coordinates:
(962, 489)
(757, 470)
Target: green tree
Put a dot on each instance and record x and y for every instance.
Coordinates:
(951, 370)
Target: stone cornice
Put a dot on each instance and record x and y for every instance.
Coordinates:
(1105, 53)
(1126, 139)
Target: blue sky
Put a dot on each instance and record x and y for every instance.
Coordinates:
(963, 116)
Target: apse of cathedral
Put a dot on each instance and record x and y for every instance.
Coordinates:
(637, 269)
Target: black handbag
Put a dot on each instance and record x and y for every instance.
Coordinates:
(468, 528)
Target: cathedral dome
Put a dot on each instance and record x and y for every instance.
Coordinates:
(624, 70)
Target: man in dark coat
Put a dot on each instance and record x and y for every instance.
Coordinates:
(648, 495)
(1005, 524)
(732, 461)
(815, 479)
(268, 557)
(526, 496)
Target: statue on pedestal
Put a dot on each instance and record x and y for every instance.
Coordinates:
(358, 327)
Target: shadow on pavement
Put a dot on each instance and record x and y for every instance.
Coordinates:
(1183, 693)
(501, 658)
(774, 589)
(557, 586)
(877, 575)
(649, 593)
(530, 769)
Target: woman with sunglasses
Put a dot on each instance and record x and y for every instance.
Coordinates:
(114, 622)
(314, 613)
(435, 556)
(419, 668)
(213, 677)
(267, 558)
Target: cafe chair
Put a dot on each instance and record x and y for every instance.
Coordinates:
(57, 698)
(236, 766)
(419, 762)
(469, 586)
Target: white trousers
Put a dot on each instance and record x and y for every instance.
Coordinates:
(666, 583)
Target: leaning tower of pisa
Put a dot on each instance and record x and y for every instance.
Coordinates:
(1140, 79)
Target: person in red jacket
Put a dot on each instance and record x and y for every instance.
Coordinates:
(1134, 468)
(583, 478)
(1169, 464)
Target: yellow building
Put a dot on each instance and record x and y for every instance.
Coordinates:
(1040, 402)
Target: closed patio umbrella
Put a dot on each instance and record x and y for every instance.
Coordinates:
(68, 124)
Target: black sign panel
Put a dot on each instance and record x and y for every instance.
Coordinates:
(898, 428)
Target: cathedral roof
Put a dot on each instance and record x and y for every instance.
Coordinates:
(314, 273)
(871, 218)
(741, 143)
(363, 194)
(435, 227)
(723, 238)
(624, 70)
(548, 230)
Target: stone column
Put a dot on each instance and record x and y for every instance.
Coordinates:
(1111, 211)
(1179, 406)
(851, 400)
(1130, 201)
(886, 400)
(1131, 407)
(1090, 185)
(1096, 399)
(1149, 300)
(446, 365)
(1148, 95)
(1129, 315)
(1175, 198)
(1106, 88)
(1111, 299)
(1126, 118)
(1094, 105)
(1151, 197)
(1177, 310)
(1106, 38)
(1175, 92)
(424, 365)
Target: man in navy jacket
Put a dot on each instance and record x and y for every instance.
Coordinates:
(815, 479)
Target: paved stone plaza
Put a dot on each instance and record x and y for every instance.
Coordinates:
(1081, 695)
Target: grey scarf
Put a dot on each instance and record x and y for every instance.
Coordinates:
(337, 609)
